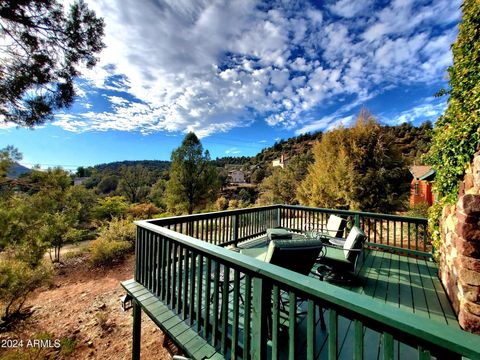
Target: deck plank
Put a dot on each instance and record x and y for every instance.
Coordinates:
(442, 296)
(434, 307)
(419, 303)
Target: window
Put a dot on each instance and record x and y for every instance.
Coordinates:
(417, 188)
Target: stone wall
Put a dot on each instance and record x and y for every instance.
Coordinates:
(460, 252)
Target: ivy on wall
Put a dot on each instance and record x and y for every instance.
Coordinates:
(456, 133)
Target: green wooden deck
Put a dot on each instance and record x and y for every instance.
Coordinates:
(403, 282)
(397, 308)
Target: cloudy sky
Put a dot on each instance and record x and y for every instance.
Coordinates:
(242, 74)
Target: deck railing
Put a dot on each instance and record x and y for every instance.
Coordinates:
(392, 232)
(237, 303)
(384, 231)
(224, 227)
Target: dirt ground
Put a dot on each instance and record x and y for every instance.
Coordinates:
(82, 311)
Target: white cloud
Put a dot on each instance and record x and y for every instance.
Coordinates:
(6, 125)
(349, 8)
(178, 65)
(430, 109)
(326, 123)
(232, 150)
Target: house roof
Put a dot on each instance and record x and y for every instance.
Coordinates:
(422, 172)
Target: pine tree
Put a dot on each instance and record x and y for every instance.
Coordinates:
(194, 180)
(42, 50)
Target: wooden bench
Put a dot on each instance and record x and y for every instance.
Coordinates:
(171, 324)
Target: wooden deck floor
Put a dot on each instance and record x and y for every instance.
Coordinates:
(404, 282)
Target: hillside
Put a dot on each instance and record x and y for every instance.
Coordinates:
(411, 140)
(297, 145)
(16, 170)
(152, 165)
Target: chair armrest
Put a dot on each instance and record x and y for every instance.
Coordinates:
(341, 247)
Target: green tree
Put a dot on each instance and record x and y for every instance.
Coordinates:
(281, 187)
(358, 168)
(17, 281)
(110, 207)
(107, 184)
(60, 207)
(258, 175)
(83, 172)
(157, 193)
(87, 199)
(194, 180)
(42, 50)
(134, 182)
(8, 156)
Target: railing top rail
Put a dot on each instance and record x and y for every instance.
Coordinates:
(385, 316)
(208, 215)
(214, 214)
(365, 214)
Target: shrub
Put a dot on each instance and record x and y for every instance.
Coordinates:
(104, 251)
(233, 204)
(221, 203)
(67, 346)
(118, 230)
(17, 281)
(110, 207)
(143, 211)
(418, 210)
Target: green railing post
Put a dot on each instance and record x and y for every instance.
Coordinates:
(261, 296)
(137, 327)
(235, 229)
(279, 216)
(357, 220)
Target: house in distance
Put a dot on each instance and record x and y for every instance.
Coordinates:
(282, 162)
(421, 185)
(236, 176)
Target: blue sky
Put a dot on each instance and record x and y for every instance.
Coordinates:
(242, 74)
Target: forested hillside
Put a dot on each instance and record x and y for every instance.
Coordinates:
(412, 141)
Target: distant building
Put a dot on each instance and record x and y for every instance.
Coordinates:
(79, 180)
(236, 176)
(421, 186)
(282, 162)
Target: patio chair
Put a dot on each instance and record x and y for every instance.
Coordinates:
(298, 255)
(333, 229)
(339, 263)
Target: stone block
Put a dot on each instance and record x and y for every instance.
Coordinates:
(476, 170)
(469, 277)
(461, 217)
(468, 321)
(468, 181)
(469, 292)
(450, 223)
(469, 263)
(466, 248)
(446, 211)
(468, 231)
(469, 204)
